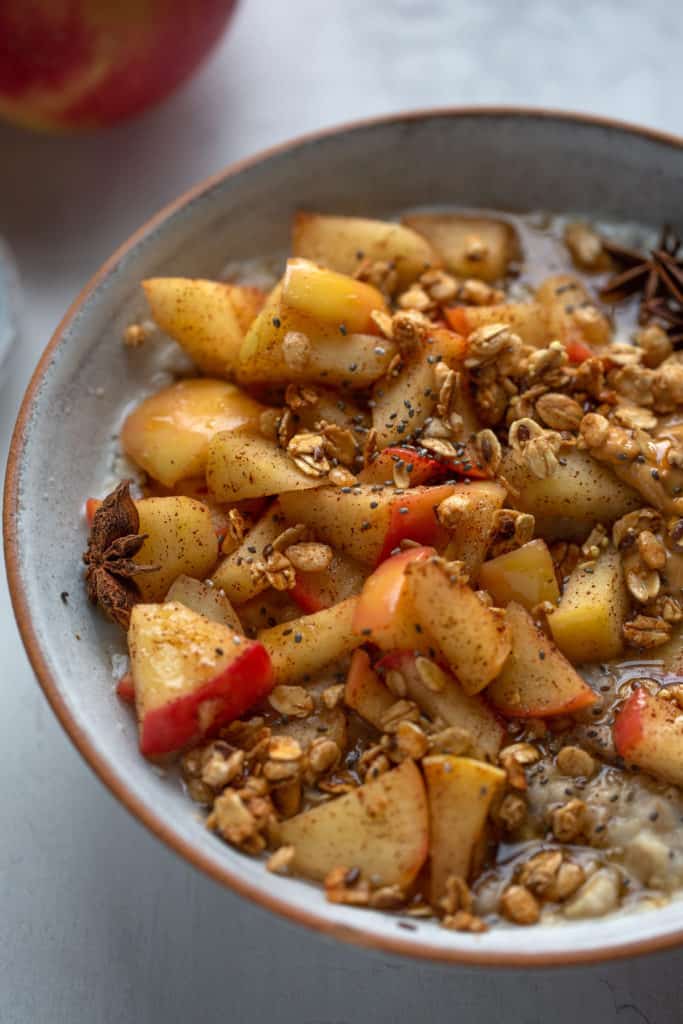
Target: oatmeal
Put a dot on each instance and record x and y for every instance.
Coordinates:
(401, 562)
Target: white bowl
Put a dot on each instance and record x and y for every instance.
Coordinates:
(61, 450)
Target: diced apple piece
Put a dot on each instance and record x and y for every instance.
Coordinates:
(206, 600)
(191, 675)
(413, 517)
(206, 317)
(403, 403)
(302, 647)
(450, 704)
(527, 319)
(331, 407)
(588, 624)
(247, 302)
(181, 540)
(195, 487)
(445, 345)
(241, 466)
(369, 524)
(648, 734)
(269, 608)
(385, 614)
(469, 246)
(526, 575)
(421, 467)
(562, 296)
(381, 828)
(460, 792)
(578, 489)
(168, 434)
(327, 297)
(365, 693)
(314, 591)
(537, 681)
(477, 505)
(234, 575)
(344, 243)
(473, 639)
(353, 360)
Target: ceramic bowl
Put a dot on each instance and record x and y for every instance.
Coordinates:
(506, 159)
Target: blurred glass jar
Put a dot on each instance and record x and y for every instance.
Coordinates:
(9, 305)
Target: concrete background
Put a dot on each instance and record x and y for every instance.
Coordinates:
(98, 921)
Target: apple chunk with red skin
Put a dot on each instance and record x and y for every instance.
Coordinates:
(369, 524)
(190, 675)
(472, 639)
(648, 733)
(380, 828)
(421, 467)
(537, 681)
(385, 614)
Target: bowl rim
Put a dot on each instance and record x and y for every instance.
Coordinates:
(387, 943)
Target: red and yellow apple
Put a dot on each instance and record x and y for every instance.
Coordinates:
(314, 591)
(190, 675)
(69, 65)
(648, 733)
(368, 523)
(471, 638)
(537, 681)
(421, 467)
(385, 613)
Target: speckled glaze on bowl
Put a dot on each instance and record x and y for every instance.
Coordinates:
(509, 159)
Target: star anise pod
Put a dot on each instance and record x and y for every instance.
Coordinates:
(113, 542)
(659, 277)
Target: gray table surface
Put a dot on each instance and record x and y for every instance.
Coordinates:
(98, 921)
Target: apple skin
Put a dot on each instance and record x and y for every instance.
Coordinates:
(69, 65)
(413, 516)
(536, 680)
(191, 675)
(422, 468)
(648, 733)
(384, 613)
(243, 682)
(125, 689)
(314, 591)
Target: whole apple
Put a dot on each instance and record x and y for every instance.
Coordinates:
(69, 65)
